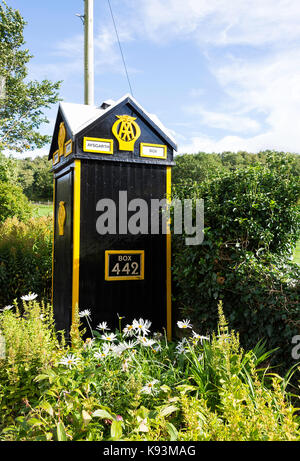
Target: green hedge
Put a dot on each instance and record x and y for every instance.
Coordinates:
(25, 258)
(251, 226)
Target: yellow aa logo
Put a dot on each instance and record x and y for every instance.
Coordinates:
(127, 131)
(61, 218)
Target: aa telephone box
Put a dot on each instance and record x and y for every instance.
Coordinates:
(104, 159)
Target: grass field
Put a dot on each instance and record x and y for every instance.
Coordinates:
(297, 253)
(42, 209)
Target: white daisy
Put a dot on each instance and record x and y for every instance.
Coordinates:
(69, 361)
(156, 348)
(103, 352)
(141, 326)
(199, 337)
(129, 330)
(146, 342)
(184, 324)
(85, 313)
(29, 297)
(102, 326)
(6, 308)
(109, 337)
(180, 348)
(149, 388)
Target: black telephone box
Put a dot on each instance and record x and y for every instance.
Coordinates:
(104, 159)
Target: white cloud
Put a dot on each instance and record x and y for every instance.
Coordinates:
(260, 82)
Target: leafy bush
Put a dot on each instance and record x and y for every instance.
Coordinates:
(25, 258)
(251, 226)
(13, 202)
(144, 388)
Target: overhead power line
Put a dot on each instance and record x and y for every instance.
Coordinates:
(121, 51)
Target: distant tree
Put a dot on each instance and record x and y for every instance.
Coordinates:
(13, 203)
(21, 101)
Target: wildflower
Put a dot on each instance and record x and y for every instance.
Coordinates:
(180, 349)
(88, 343)
(118, 349)
(6, 308)
(69, 360)
(149, 388)
(29, 297)
(85, 313)
(128, 330)
(146, 342)
(109, 337)
(103, 352)
(142, 326)
(102, 326)
(184, 324)
(199, 337)
(119, 418)
(125, 365)
(156, 348)
(128, 344)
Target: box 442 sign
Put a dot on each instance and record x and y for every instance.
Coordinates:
(124, 265)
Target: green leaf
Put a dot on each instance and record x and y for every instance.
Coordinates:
(61, 433)
(172, 431)
(116, 430)
(103, 414)
(166, 411)
(47, 407)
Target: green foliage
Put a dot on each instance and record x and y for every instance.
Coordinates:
(25, 258)
(13, 202)
(35, 178)
(30, 343)
(252, 225)
(204, 389)
(23, 102)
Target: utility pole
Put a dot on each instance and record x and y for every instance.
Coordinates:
(89, 52)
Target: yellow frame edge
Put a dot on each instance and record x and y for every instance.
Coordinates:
(168, 258)
(128, 277)
(56, 152)
(153, 145)
(66, 144)
(110, 141)
(76, 236)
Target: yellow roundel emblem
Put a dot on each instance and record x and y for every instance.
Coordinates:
(61, 218)
(127, 131)
(61, 138)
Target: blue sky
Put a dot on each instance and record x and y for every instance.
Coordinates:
(221, 75)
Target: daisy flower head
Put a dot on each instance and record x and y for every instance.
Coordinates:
(142, 326)
(103, 353)
(6, 308)
(180, 348)
(199, 337)
(146, 342)
(85, 313)
(128, 330)
(156, 348)
(109, 337)
(69, 361)
(29, 297)
(184, 324)
(102, 326)
(149, 387)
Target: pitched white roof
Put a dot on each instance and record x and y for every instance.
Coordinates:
(79, 116)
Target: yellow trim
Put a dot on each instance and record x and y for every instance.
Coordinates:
(70, 142)
(168, 258)
(110, 141)
(153, 145)
(108, 278)
(53, 239)
(58, 157)
(76, 236)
